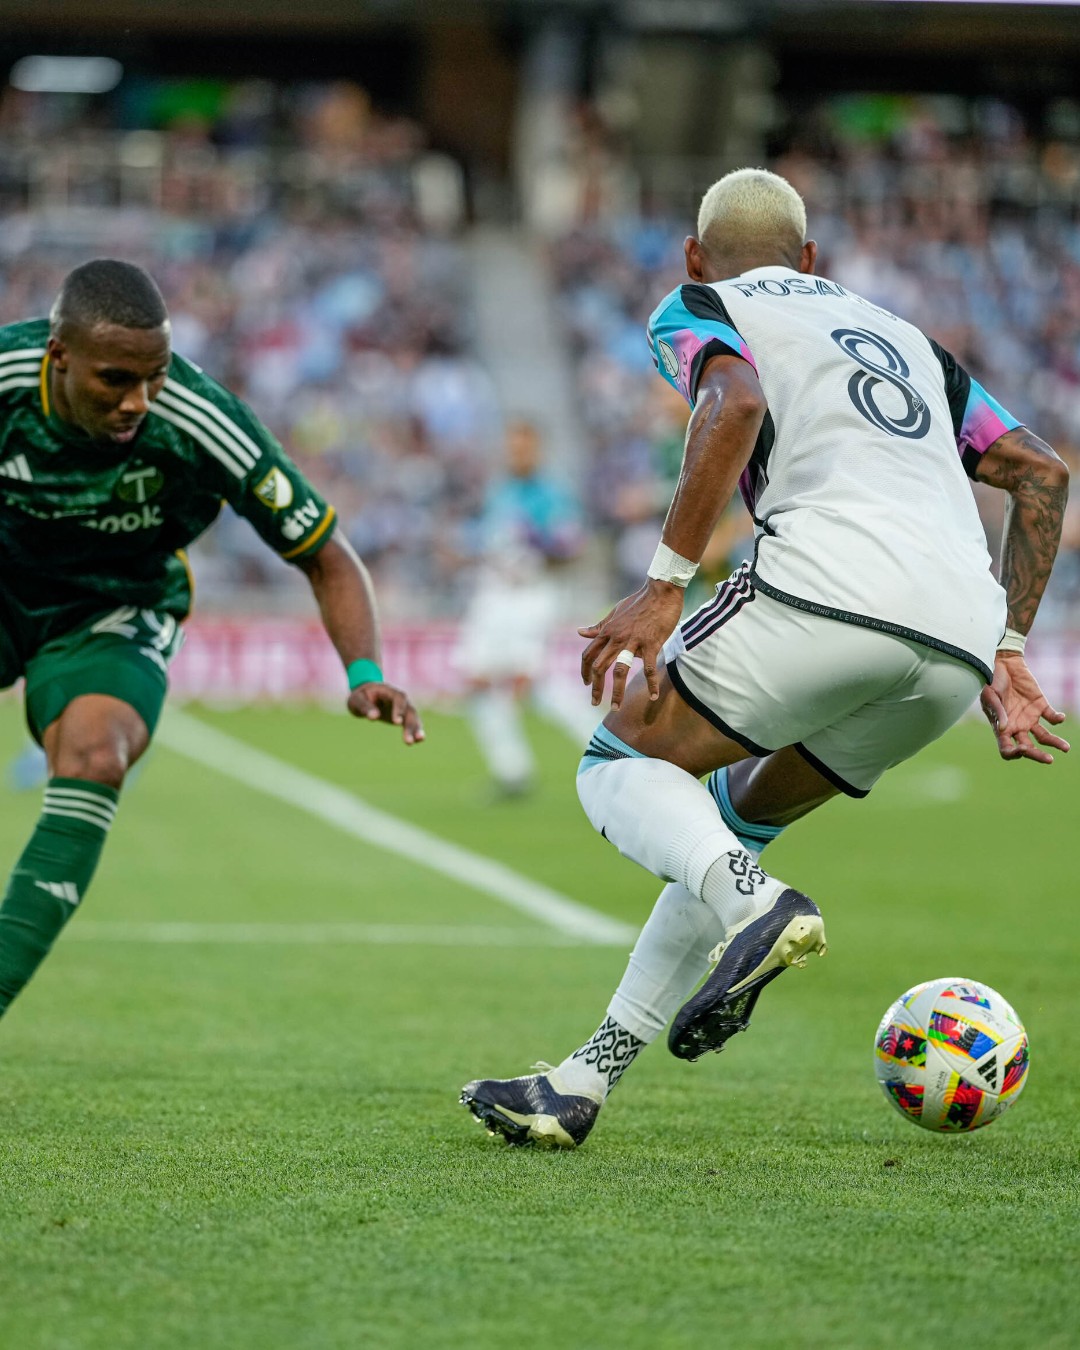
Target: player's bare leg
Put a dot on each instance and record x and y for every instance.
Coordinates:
(96, 737)
(777, 789)
(667, 728)
(90, 748)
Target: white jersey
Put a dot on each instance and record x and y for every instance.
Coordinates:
(857, 484)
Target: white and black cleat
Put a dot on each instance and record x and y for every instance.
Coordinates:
(531, 1110)
(756, 952)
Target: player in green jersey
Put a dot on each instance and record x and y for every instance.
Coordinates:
(114, 455)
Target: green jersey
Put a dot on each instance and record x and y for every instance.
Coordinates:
(86, 525)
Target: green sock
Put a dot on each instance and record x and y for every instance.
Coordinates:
(51, 877)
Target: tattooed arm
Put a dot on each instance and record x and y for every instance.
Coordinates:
(1037, 482)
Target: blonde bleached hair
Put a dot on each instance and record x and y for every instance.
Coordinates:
(750, 211)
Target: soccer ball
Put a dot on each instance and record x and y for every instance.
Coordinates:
(951, 1055)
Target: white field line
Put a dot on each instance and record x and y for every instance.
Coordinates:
(214, 749)
(316, 934)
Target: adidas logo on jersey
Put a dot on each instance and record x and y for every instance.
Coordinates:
(17, 468)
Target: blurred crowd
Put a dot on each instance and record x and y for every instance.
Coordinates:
(333, 297)
(314, 257)
(954, 216)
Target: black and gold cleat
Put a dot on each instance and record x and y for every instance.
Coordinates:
(531, 1110)
(757, 951)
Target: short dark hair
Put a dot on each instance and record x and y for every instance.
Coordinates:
(109, 291)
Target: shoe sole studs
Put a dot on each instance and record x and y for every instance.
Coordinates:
(519, 1131)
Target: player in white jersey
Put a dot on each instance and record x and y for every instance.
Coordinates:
(867, 622)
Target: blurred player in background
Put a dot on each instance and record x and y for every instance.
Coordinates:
(865, 626)
(115, 454)
(530, 526)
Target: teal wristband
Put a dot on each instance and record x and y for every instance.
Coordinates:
(363, 672)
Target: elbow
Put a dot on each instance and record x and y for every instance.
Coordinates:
(729, 388)
(1047, 464)
(1051, 473)
(751, 407)
(745, 399)
(745, 403)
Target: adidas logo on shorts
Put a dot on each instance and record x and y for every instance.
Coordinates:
(17, 468)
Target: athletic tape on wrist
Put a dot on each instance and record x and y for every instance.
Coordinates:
(667, 565)
(363, 672)
(1012, 641)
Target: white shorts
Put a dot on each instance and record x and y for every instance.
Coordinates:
(506, 630)
(852, 700)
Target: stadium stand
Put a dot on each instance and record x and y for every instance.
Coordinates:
(314, 256)
(953, 215)
(317, 273)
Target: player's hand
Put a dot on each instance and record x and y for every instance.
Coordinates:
(641, 624)
(1016, 708)
(380, 702)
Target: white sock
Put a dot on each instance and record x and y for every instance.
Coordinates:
(496, 722)
(669, 958)
(662, 818)
(595, 1067)
(736, 888)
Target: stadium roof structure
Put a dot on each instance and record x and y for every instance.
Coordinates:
(704, 16)
(1023, 51)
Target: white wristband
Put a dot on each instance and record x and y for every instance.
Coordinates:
(1012, 641)
(668, 565)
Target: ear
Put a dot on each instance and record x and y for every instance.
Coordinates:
(58, 354)
(808, 259)
(695, 258)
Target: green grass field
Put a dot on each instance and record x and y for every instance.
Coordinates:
(258, 1143)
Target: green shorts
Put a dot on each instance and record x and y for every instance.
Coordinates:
(124, 653)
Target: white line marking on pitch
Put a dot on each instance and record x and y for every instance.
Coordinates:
(225, 754)
(317, 934)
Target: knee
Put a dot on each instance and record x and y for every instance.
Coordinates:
(97, 738)
(95, 761)
(625, 799)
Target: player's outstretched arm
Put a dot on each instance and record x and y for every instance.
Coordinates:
(728, 412)
(346, 599)
(1037, 482)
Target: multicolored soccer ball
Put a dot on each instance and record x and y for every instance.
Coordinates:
(951, 1055)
